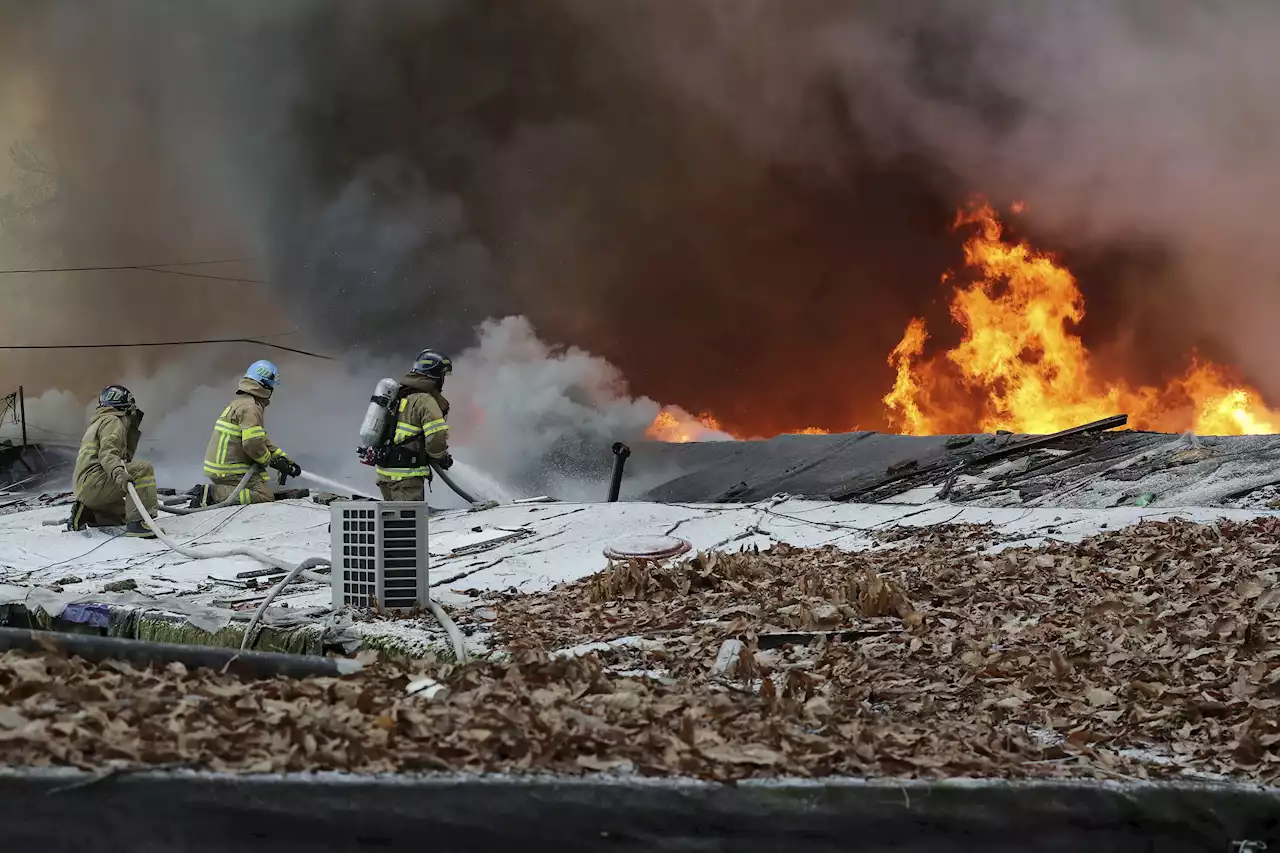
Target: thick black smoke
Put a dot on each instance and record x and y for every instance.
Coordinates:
(738, 203)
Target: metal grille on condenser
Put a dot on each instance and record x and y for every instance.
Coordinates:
(359, 557)
(400, 557)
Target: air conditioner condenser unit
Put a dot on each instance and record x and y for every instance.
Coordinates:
(379, 554)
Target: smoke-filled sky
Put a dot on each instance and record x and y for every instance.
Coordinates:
(739, 203)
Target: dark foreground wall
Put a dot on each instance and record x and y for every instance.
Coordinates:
(177, 813)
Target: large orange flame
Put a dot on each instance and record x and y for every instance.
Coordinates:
(1020, 366)
(1020, 359)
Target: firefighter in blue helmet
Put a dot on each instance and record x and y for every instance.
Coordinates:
(421, 436)
(240, 440)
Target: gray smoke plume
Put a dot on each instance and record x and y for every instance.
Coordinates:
(527, 418)
(738, 203)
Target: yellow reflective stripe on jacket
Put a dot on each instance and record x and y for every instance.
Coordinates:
(215, 469)
(395, 474)
(254, 432)
(226, 431)
(433, 427)
(405, 431)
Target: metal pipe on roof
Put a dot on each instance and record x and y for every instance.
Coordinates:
(620, 454)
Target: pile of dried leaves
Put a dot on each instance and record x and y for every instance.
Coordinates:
(1143, 652)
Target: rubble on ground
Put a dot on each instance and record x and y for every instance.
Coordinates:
(1140, 653)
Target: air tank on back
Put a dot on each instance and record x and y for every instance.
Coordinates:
(378, 416)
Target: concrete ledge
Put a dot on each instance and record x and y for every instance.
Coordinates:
(179, 811)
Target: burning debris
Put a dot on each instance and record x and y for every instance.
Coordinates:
(677, 426)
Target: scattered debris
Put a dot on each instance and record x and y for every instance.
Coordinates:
(427, 689)
(1140, 653)
(126, 585)
(489, 544)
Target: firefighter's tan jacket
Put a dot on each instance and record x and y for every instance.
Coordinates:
(106, 447)
(420, 427)
(106, 452)
(239, 438)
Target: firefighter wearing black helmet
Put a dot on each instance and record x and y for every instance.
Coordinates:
(105, 466)
(421, 436)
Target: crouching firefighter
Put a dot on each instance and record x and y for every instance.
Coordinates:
(403, 457)
(105, 466)
(239, 443)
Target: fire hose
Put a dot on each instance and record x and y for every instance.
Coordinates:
(227, 501)
(451, 484)
(302, 569)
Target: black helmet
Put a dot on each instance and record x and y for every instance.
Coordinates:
(433, 365)
(116, 397)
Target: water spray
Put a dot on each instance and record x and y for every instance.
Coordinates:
(335, 486)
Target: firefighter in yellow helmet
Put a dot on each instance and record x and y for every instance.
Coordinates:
(421, 437)
(240, 440)
(105, 466)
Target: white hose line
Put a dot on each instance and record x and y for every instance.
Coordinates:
(293, 572)
(210, 553)
(455, 636)
(244, 481)
(299, 569)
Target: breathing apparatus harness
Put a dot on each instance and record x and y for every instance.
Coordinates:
(378, 430)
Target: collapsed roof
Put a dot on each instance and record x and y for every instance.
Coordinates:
(1076, 468)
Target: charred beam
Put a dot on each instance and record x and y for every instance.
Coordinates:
(1045, 440)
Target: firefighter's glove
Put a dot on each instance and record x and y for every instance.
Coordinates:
(285, 466)
(445, 462)
(121, 476)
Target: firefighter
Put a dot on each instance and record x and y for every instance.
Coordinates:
(421, 437)
(105, 466)
(240, 440)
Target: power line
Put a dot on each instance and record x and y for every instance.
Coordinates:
(156, 268)
(202, 275)
(206, 263)
(172, 344)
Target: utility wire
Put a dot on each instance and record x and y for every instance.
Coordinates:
(202, 275)
(156, 268)
(172, 344)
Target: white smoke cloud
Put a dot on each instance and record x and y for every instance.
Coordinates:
(526, 417)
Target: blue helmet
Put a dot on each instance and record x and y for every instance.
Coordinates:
(116, 397)
(264, 373)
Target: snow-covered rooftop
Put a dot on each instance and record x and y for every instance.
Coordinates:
(524, 547)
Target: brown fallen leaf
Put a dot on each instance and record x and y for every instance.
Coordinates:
(751, 753)
(10, 718)
(1062, 668)
(594, 762)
